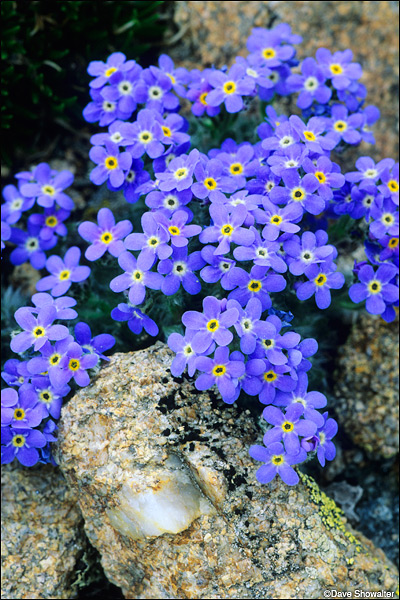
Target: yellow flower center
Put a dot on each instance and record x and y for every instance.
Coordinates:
(153, 242)
(229, 87)
(174, 230)
(145, 137)
(340, 126)
(181, 173)
(320, 176)
(270, 376)
(287, 426)
(268, 53)
(320, 280)
(19, 414)
(64, 275)
(254, 285)
(54, 359)
(298, 194)
(236, 168)
(49, 190)
(74, 364)
(393, 242)
(276, 220)
(374, 286)
(110, 71)
(322, 438)
(51, 221)
(18, 440)
(268, 344)
(277, 459)
(210, 183)
(46, 397)
(213, 325)
(38, 332)
(106, 237)
(387, 218)
(166, 131)
(137, 276)
(309, 136)
(203, 97)
(227, 230)
(393, 185)
(336, 69)
(188, 350)
(219, 370)
(111, 163)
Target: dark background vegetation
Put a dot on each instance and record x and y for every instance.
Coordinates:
(46, 48)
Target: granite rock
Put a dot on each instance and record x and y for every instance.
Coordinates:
(42, 534)
(213, 33)
(367, 386)
(170, 500)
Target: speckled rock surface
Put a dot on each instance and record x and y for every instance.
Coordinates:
(367, 386)
(170, 499)
(42, 534)
(215, 32)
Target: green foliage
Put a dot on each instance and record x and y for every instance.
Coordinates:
(46, 47)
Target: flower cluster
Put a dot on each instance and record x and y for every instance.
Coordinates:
(51, 358)
(45, 187)
(372, 196)
(243, 226)
(260, 225)
(271, 364)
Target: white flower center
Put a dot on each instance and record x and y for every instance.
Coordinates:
(116, 137)
(311, 83)
(16, 204)
(125, 88)
(155, 92)
(179, 268)
(286, 141)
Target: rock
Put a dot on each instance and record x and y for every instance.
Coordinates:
(42, 534)
(347, 496)
(24, 278)
(170, 499)
(367, 386)
(370, 29)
